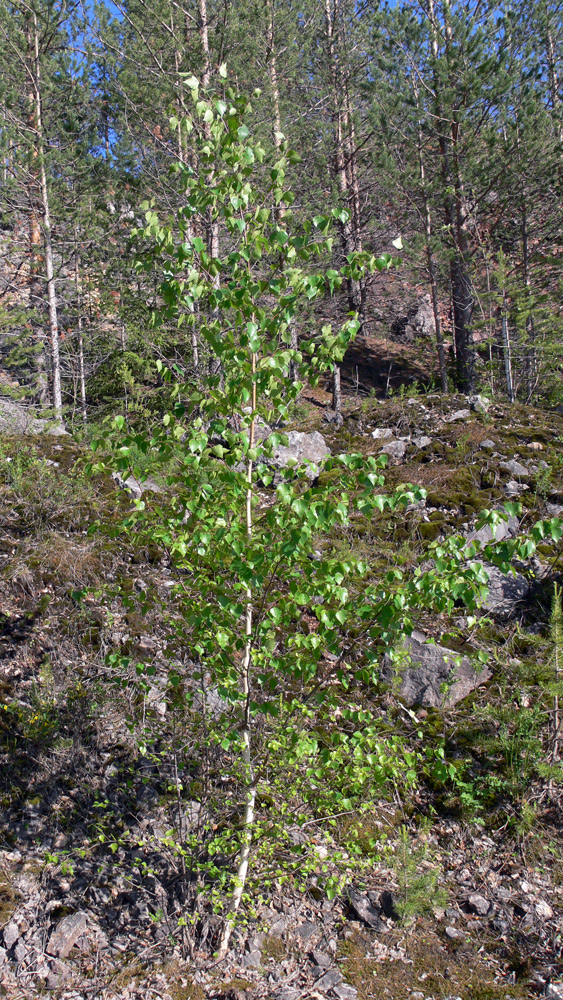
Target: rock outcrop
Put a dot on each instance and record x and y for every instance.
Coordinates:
(427, 675)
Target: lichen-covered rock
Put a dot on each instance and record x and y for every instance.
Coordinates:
(486, 534)
(431, 676)
(480, 404)
(16, 418)
(395, 450)
(458, 415)
(309, 449)
(134, 486)
(418, 322)
(515, 469)
(66, 934)
(507, 592)
(423, 441)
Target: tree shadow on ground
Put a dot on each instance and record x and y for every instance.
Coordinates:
(377, 366)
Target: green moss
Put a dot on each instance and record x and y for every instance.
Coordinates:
(8, 899)
(429, 530)
(436, 966)
(274, 948)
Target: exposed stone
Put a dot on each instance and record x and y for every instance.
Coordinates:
(507, 591)
(345, 992)
(134, 486)
(252, 960)
(478, 904)
(301, 448)
(487, 445)
(458, 415)
(422, 442)
(58, 973)
(262, 430)
(480, 404)
(418, 322)
(279, 926)
(306, 930)
(427, 675)
(20, 951)
(321, 959)
(515, 469)
(454, 934)
(382, 433)
(333, 418)
(543, 910)
(17, 418)
(514, 489)
(395, 450)
(11, 934)
(486, 534)
(362, 907)
(331, 978)
(66, 934)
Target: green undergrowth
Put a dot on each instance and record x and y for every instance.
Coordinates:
(434, 966)
(487, 762)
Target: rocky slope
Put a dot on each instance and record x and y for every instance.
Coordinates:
(453, 891)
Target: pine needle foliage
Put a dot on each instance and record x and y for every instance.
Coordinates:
(419, 889)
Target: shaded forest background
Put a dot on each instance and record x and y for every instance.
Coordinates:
(438, 122)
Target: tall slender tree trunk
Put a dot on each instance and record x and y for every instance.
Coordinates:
(277, 138)
(204, 39)
(212, 224)
(246, 727)
(47, 232)
(36, 296)
(506, 349)
(531, 356)
(332, 13)
(431, 263)
(455, 213)
(81, 370)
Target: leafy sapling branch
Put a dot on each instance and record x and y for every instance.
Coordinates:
(258, 607)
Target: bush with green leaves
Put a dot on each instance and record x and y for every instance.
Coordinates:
(273, 641)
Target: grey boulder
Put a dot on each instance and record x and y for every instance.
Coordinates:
(515, 469)
(486, 534)
(134, 486)
(418, 322)
(431, 676)
(423, 441)
(480, 404)
(309, 449)
(16, 418)
(396, 450)
(66, 934)
(507, 591)
(458, 415)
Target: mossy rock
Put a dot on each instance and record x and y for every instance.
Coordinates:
(8, 900)
(450, 501)
(439, 448)
(429, 531)
(328, 476)
(422, 457)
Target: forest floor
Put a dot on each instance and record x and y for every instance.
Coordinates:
(454, 890)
